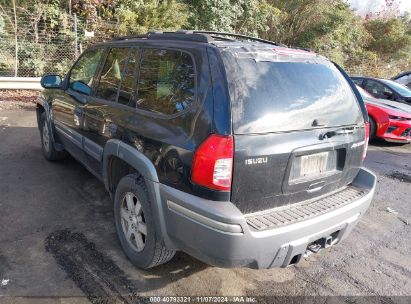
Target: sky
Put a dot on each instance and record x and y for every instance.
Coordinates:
(363, 6)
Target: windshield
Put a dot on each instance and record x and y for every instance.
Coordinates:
(401, 89)
(272, 96)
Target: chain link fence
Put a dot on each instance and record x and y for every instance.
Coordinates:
(33, 44)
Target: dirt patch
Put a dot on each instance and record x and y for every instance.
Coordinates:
(101, 280)
(402, 177)
(18, 99)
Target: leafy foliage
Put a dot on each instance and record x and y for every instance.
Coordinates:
(378, 44)
(242, 16)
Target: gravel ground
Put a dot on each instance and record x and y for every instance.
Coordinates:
(58, 243)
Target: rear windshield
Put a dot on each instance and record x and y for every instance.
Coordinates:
(278, 96)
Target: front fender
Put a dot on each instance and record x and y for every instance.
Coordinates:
(43, 103)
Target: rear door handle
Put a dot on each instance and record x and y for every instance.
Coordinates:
(112, 128)
(316, 186)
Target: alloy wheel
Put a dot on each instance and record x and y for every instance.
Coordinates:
(133, 222)
(46, 136)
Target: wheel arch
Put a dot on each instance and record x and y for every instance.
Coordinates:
(131, 156)
(42, 106)
(143, 166)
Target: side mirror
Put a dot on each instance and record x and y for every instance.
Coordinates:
(51, 81)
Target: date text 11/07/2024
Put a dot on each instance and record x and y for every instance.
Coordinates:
(203, 299)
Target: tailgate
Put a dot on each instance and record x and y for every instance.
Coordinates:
(297, 124)
(272, 170)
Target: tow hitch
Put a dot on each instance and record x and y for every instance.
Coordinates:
(319, 244)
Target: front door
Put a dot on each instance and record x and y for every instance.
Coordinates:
(68, 104)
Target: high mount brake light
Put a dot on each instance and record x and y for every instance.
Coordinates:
(366, 139)
(213, 163)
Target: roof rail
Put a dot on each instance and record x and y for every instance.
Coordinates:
(193, 35)
(130, 37)
(245, 37)
(178, 35)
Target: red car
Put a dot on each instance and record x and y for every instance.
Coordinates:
(389, 120)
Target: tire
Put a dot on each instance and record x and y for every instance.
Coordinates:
(373, 129)
(47, 145)
(132, 209)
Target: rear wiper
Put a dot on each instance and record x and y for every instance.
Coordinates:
(330, 134)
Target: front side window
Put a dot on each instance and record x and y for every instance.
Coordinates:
(83, 72)
(112, 73)
(167, 81)
(377, 89)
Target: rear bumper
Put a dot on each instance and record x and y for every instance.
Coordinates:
(218, 234)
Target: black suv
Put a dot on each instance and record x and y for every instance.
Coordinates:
(235, 150)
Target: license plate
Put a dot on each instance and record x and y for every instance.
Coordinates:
(314, 164)
(307, 167)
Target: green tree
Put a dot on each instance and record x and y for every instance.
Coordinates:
(243, 16)
(142, 15)
(389, 37)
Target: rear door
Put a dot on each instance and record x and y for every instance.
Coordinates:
(298, 129)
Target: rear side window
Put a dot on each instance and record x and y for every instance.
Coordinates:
(84, 70)
(111, 74)
(127, 92)
(277, 96)
(167, 81)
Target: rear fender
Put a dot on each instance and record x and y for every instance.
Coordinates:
(145, 167)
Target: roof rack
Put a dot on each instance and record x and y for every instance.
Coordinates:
(193, 35)
(215, 34)
(178, 35)
(128, 37)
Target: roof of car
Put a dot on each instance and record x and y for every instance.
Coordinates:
(218, 39)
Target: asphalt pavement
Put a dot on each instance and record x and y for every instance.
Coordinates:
(58, 242)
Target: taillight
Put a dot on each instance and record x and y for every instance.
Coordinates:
(213, 163)
(366, 139)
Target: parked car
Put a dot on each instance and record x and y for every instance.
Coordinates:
(384, 88)
(404, 78)
(389, 120)
(235, 150)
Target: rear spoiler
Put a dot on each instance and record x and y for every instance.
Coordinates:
(356, 92)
